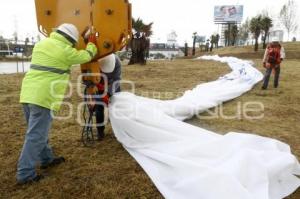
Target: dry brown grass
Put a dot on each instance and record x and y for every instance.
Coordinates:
(107, 170)
(247, 52)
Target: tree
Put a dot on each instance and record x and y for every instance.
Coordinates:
(227, 35)
(212, 42)
(234, 34)
(288, 17)
(194, 43)
(38, 38)
(186, 49)
(15, 35)
(217, 39)
(159, 56)
(255, 28)
(266, 24)
(244, 31)
(140, 41)
(26, 44)
(26, 40)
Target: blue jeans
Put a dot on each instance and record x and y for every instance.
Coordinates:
(268, 74)
(36, 148)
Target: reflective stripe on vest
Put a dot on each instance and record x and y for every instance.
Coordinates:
(49, 69)
(91, 53)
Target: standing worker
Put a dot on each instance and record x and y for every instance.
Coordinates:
(111, 70)
(273, 56)
(43, 89)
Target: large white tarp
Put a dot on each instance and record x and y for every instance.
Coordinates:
(187, 162)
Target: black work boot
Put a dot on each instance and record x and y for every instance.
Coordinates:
(37, 178)
(54, 162)
(100, 133)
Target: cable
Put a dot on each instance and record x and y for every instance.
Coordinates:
(87, 136)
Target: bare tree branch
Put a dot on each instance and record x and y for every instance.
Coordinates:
(288, 17)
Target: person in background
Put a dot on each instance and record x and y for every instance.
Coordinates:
(207, 45)
(43, 88)
(110, 67)
(224, 12)
(232, 11)
(274, 55)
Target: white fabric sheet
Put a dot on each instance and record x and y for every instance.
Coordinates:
(188, 162)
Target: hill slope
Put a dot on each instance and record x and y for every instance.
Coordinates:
(292, 50)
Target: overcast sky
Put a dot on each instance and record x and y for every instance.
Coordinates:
(184, 17)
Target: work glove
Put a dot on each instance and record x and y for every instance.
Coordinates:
(100, 87)
(85, 34)
(88, 36)
(93, 38)
(105, 99)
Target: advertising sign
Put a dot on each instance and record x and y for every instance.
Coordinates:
(228, 13)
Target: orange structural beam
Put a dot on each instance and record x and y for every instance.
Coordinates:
(111, 20)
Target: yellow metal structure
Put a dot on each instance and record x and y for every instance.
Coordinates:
(110, 20)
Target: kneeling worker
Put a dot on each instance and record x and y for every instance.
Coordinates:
(111, 70)
(43, 88)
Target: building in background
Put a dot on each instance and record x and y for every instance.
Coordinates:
(11, 48)
(168, 50)
(172, 40)
(276, 33)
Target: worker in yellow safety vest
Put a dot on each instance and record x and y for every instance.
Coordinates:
(43, 89)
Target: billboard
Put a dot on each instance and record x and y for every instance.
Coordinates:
(228, 13)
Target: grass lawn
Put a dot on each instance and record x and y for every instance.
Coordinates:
(107, 170)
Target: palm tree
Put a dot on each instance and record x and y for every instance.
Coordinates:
(234, 33)
(217, 39)
(140, 41)
(255, 28)
(186, 49)
(26, 45)
(226, 34)
(148, 32)
(212, 42)
(266, 24)
(147, 29)
(194, 43)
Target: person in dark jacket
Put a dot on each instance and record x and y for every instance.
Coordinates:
(111, 71)
(274, 54)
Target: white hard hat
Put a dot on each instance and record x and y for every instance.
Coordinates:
(275, 39)
(70, 30)
(107, 63)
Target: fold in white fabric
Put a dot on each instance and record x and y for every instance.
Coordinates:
(188, 162)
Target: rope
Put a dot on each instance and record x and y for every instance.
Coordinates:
(87, 136)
